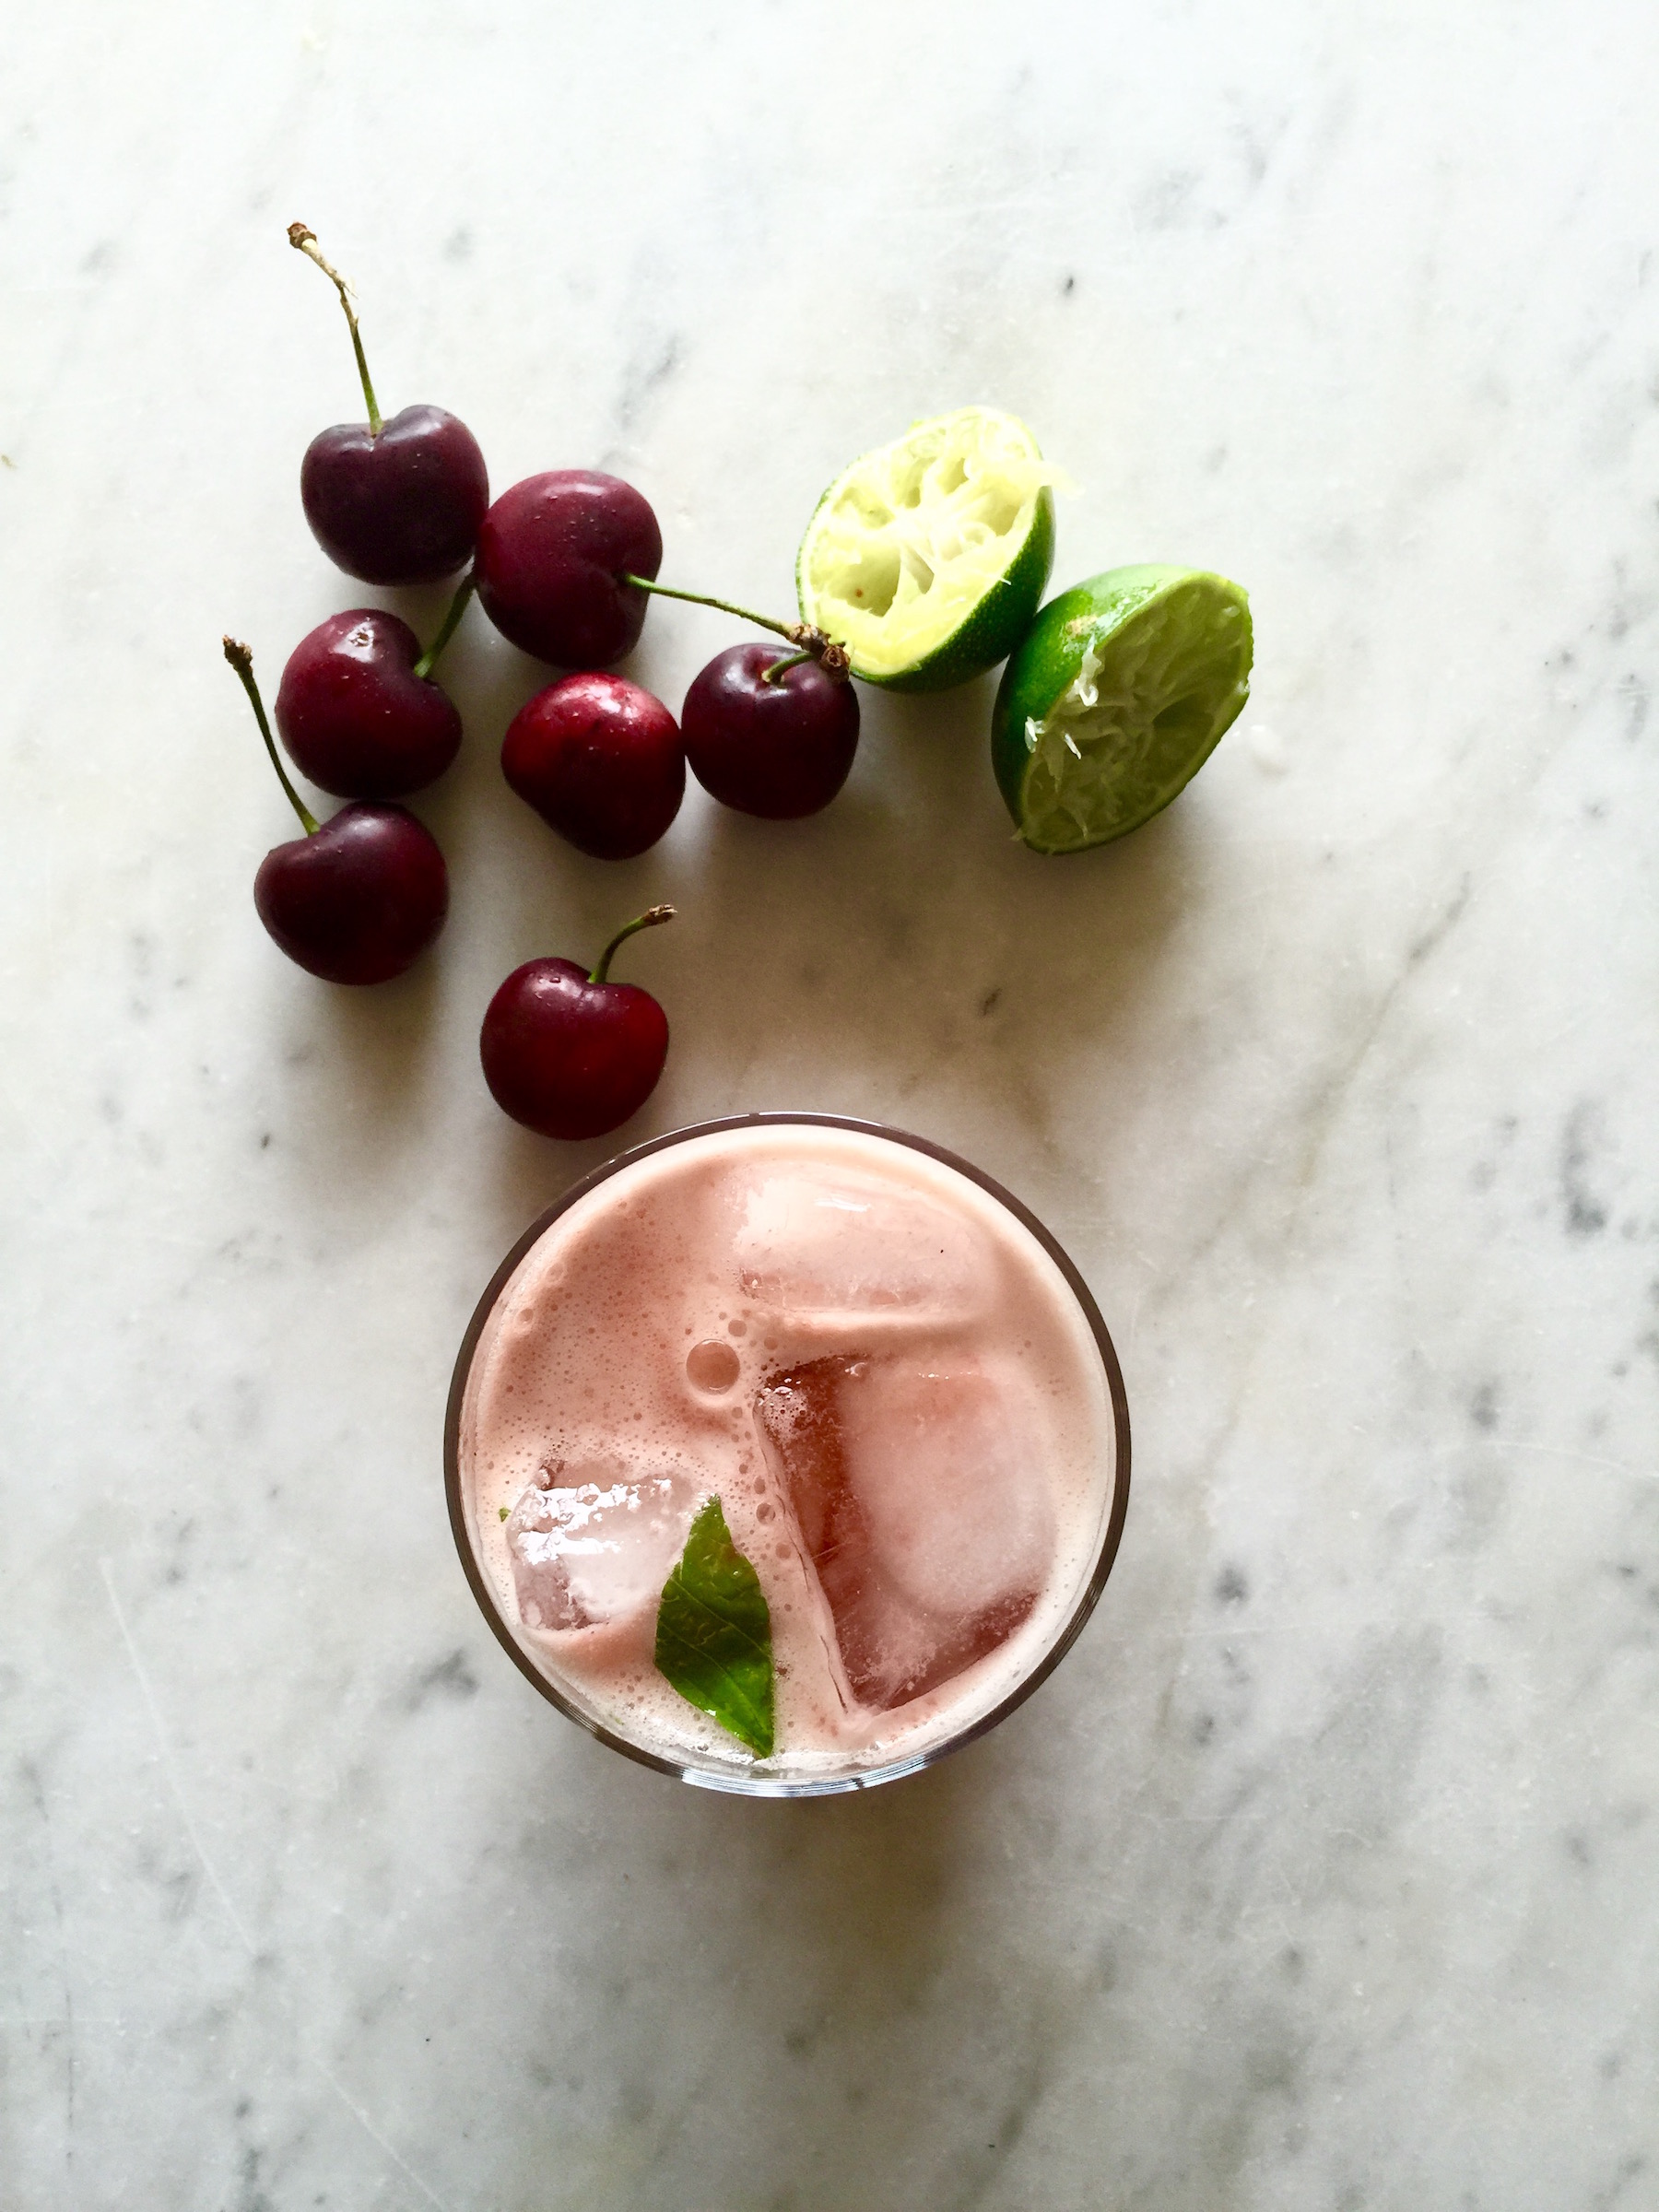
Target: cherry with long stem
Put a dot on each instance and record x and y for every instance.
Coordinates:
(768, 734)
(399, 499)
(357, 898)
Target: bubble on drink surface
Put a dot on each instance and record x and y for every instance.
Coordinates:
(711, 1365)
(589, 1552)
(921, 1497)
(829, 1242)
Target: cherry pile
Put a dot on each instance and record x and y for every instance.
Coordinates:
(565, 565)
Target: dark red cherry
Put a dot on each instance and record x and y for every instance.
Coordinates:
(600, 761)
(396, 502)
(553, 553)
(355, 716)
(359, 897)
(779, 747)
(569, 1054)
(358, 900)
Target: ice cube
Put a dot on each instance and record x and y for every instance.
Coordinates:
(852, 1243)
(588, 1552)
(921, 1499)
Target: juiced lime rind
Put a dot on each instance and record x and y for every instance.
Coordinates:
(996, 624)
(928, 557)
(1120, 692)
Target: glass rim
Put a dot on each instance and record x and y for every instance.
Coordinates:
(738, 1783)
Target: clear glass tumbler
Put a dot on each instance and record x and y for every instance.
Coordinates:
(711, 1767)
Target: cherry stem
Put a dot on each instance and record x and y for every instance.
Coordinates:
(241, 660)
(833, 659)
(648, 919)
(305, 241)
(744, 614)
(451, 623)
(781, 668)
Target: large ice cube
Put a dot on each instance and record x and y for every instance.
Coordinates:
(847, 1242)
(598, 1550)
(922, 1500)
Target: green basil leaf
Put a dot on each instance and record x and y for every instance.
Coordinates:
(713, 1635)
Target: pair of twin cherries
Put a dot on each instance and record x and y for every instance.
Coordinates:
(564, 564)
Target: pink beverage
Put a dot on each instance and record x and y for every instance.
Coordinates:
(888, 1372)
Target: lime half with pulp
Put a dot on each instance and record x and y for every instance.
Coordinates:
(928, 557)
(1118, 696)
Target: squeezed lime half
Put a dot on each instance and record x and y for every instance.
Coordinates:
(928, 557)
(1118, 695)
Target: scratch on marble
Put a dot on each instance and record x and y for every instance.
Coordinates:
(170, 1769)
(1319, 1113)
(374, 2136)
(36, 1785)
(1135, 1315)
(1586, 1459)
(168, 1765)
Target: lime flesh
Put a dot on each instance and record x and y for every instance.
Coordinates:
(928, 557)
(1118, 695)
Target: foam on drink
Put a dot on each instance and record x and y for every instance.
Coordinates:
(880, 1372)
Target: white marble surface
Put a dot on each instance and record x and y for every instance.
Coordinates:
(1323, 1875)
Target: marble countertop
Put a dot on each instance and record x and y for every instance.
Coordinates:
(1322, 1876)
